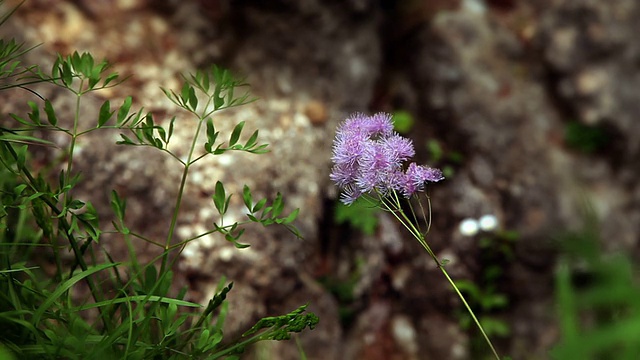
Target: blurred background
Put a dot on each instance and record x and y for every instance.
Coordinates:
(529, 108)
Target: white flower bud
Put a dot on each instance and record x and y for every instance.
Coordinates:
(488, 223)
(468, 227)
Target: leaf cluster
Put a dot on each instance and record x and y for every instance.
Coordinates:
(80, 73)
(257, 212)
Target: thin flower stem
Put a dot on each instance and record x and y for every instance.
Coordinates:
(394, 208)
(415, 218)
(473, 316)
(427, 215)
(426, 246)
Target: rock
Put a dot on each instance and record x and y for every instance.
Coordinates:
(494, 83)
(316, 111)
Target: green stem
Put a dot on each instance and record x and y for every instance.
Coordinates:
(473, 315)
(176, 209)
(426, 246)
(395, 208)
(242, 344)
(72, 145)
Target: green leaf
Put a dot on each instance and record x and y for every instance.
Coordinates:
(252, 140)
(260, 149)
(110, 78)
(88, 216)
(259, 205)
(24, 139)
(277, 206)
(240, 245)
(55, 70)
(118, 205)
(172, 310)
(235, 135)
(61, 181)
(76, 62)
(125, 140)
(218, 101)
(75, 204)
(193, 99)
(34, 115)
(219, 198)
(162, 133)
(147, 129)
(184, 94)
(64, 287)
(22, 156)
(212, 135)
(173, 119)
(289, 219)
(19, 189)
(79, 63)
(105, 113)
(205, 82)
(124, 110)
(51, 115)
(173, 97)
(67, 73)
(246, 197)
(21, 120)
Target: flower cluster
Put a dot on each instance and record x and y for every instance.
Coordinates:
(368, 156)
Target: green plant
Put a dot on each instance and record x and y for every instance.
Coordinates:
(343, 291)
(402, 121)
(360, 215)
(132, 310)
(597, 299)
(483, 293)
(586, 138)
(449, 158)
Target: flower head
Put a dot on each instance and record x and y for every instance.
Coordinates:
(417, 176)
(368, 156)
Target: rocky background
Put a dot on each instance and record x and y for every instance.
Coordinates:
(497, 84)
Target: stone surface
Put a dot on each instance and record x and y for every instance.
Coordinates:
(495, 83)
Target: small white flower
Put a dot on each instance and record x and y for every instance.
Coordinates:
(488, 223)
(468, 227)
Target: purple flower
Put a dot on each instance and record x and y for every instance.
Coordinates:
(368, 156)
(416, 176)
(398, 148)
(368, 126)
